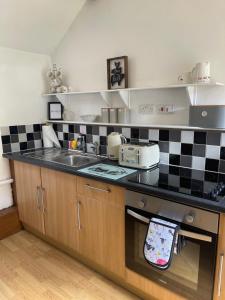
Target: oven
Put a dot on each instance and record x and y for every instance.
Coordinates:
(191, 273)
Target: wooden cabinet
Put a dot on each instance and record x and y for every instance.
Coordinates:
(82, 214)
(219, 287)
(47, 202)
(28, 189)
(60, 213)
(101, 239)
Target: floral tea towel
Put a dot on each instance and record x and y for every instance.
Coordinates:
(160, 243)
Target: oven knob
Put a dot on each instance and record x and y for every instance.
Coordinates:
(141, 203)
(189, 218)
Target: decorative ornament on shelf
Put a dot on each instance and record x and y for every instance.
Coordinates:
(117, 72)
(55, 81)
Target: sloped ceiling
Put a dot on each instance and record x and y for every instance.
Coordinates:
(36, 25)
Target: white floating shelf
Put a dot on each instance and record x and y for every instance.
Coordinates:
(139, 89)
(185, 127)
(125, 93)
(105, 94)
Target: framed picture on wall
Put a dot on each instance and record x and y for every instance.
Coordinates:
(55, 111)
(117, 72)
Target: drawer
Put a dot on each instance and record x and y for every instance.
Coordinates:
(99, 190)
(92, 188)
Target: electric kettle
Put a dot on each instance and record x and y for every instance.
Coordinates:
(114, 140)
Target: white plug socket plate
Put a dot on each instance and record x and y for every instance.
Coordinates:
(146, 109)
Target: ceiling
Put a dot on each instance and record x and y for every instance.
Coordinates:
(36, 25)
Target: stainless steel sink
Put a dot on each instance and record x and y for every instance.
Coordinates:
(75, 160)
(64, 157)
(44, 154)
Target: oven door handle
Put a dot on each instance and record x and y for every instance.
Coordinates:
(137, 216)
(193, 235)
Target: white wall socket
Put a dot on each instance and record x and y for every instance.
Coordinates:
(146, 109)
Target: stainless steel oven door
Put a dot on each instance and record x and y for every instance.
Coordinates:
(191, 273)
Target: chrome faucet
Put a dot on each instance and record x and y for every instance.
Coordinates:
(95, 148)
(81, 144)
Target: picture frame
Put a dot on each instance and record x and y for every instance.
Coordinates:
(55, 110)
(117, 72)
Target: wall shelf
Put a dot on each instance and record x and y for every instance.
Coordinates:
(105, 94)
(124, 94)
(184, 127)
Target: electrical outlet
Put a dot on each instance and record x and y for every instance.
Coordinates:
(146, 109)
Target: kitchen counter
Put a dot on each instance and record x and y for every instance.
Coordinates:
(124, 182)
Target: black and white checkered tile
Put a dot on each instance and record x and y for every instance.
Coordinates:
(189, 181)
(21, 137)
(201, 150)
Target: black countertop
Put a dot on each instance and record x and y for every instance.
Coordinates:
(171, 195)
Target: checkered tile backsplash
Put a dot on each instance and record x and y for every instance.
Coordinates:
(199, 149)
(22, 137)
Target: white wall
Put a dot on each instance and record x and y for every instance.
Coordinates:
(162, 40)
(21, 84)
(22, 81)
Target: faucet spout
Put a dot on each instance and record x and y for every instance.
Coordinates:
(81, 144)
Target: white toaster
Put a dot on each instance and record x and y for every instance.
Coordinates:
(143, 156)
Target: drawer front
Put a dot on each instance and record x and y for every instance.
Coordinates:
(98, 190)
(93, 189)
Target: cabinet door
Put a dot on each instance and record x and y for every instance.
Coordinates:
(102, 224)
(60, 207)
(219, 287)
(28, 190)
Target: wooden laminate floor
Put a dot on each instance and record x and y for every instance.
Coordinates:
(31, 269)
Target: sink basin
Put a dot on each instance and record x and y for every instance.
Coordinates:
(75, 160)
(64, 157)
(43, 154)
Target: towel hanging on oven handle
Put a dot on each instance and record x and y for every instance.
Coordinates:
(185, 233)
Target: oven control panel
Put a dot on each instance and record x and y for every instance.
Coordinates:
(173, 211)
(189, 218)
(142, 203)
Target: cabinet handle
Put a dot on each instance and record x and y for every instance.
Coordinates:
(97, 189)
(38, 197)
(44, 208)
(78, 214)
(220, 274)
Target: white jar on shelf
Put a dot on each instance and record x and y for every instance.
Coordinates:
(123, 115)
(113, 115)
(105, 115)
